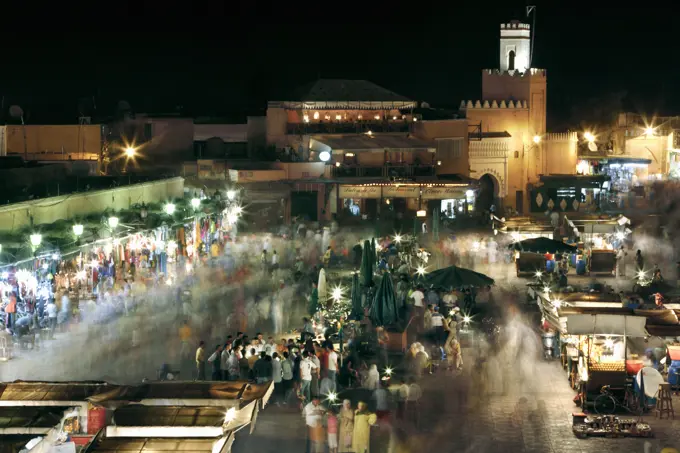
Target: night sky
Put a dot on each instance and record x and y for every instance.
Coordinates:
(228, 59)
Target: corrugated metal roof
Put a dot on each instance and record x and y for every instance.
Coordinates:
(31, 416)
(139, 445)
(373, 142)
(343, 90)
(138, 415)
(51, 391)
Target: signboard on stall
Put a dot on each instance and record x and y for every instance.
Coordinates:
(401, 191)
(443, 193)
(360, 191)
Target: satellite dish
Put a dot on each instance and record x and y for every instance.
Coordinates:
(16, 112)
(652, 380)
(592, 146)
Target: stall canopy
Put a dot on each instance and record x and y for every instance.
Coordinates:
(543, 245)
(453, 277)
(633, 326)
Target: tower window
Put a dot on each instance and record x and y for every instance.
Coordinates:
(511, 60)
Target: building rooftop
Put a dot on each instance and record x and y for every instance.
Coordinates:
(357, 142)
(344, 93)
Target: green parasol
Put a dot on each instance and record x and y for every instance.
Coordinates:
(452, 277)
(384, 311)
(366, 265)
(374, 255)
(355, 297)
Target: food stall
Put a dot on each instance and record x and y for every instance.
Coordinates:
(539, 254)
(598, 345)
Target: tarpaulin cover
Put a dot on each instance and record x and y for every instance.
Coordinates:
(633, 326)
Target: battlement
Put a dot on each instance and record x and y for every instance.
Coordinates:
(517, 105)
(532, 72)
(515, 25)
(561, 137)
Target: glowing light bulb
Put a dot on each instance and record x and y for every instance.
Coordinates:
(420, 271)
(397, 238)
(170, 208)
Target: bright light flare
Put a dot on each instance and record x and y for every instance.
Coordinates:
(467, 319)
(537, 139)
(546, 289)
(539, 274)
(476, 245)
(36, 239)
(609, 343)
(420, 271)
(231, 194)
(195, 203)
(332, 397)
(641, 275)
(81, 275)
(113, 222)
(557, 303)
(78, 229)
(130, 152)
(170, 208)
(337, 293)
(649, 131)
(589, 137)
(620, 235)
(230, 415)
(388, 371)
(397, 238)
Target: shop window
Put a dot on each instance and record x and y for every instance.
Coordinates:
(511, 60)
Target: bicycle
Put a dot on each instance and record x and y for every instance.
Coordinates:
(607, 402)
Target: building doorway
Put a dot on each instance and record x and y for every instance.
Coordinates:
(304, 205)
(519, 201)
(488, 193)
(511, 60)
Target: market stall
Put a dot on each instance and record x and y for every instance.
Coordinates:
(597, 345)
(539, 255)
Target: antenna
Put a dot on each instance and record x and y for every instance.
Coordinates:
(532, 9)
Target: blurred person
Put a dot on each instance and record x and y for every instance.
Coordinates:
(307, 369)
(200, 361)
(224, 360)
(233, 368)
(184, 338)
(275, 260)
(621, 262)
(313, 413)
(381, 396)
(216, 360)
(372, 380)
(363, 420)
(332, 431)
(639, 261)
(427, 319)
(402, 399)
(51, 309)
(437, 323)
(287, 376)
(277, 377)
(333, 366)
(346, 431)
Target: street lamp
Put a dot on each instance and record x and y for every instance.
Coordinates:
(78, 229)
(170, 209)
(113, 222)
(36, 239)
(195, 203)
(649, 131)
(130, 152)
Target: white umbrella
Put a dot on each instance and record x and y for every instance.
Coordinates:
(322, 288)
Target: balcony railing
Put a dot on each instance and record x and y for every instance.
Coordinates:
(385, 171)
(348, 127)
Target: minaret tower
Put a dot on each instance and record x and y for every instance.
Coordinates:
(515, 47)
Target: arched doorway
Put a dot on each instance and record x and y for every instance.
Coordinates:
(511, 60)
(489, 191)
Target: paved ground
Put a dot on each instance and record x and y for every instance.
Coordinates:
(457, 415)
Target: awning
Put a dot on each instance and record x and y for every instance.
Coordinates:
(633, 326)
(364, 142)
